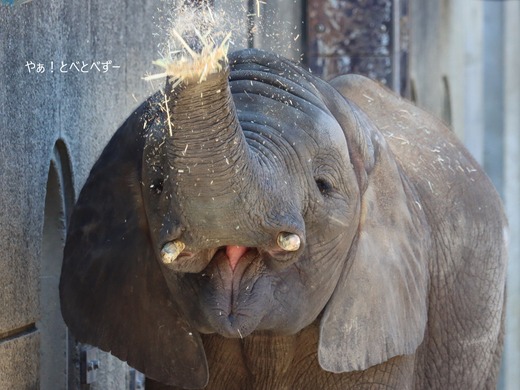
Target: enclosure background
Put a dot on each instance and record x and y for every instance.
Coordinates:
(459, 59)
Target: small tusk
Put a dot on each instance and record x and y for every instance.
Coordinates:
(289, 241)
(171, 250)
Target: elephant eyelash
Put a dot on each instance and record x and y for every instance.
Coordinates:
(324, 186)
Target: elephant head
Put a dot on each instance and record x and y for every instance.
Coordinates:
(256, 199)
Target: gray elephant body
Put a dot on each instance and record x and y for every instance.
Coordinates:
(396, 281)
(264, 361)
(463, 339)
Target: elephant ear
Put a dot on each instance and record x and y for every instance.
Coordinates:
(379, 307)
(113, 294)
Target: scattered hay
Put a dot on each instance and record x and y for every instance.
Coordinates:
(195, 48)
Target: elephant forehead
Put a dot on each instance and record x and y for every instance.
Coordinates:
(321, 130)
(297, 123)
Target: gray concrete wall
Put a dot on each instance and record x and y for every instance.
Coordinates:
(37, 110)
(511, 146)
(279, 27)
(276, 26)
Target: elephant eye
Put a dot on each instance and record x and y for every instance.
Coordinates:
(157, 186)
(324, 186)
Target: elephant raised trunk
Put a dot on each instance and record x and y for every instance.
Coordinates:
(205, 140)
(218, 179)
(207, 152)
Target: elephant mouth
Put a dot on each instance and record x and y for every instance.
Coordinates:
(235, 292)
(234, 253)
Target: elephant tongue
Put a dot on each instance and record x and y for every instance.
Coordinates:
(234, 253)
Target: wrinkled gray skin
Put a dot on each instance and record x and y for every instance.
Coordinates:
(399, 278)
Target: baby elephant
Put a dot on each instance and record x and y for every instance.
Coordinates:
(254, 227)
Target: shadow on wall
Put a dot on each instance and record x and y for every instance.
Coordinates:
(57, 352)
